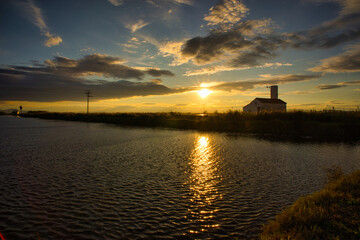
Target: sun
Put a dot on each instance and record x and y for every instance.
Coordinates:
(204, 92)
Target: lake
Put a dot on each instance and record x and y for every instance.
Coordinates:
(74, 180)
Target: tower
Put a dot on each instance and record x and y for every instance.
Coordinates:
(274, 92)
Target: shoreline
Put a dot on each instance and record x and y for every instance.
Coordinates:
(331, 213)
(333, 126)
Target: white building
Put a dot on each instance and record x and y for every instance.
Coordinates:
(267, 104)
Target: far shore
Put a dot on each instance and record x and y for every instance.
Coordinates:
(297, 125)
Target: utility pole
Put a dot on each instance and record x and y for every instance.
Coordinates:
(88, 94)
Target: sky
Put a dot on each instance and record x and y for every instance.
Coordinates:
(156, 55)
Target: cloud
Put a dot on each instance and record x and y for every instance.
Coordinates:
(239, 43)
(160, 3)
(349, 6)
(349, 61)
(93, 65)
(158, 73)
(173, 49)
(338, 85)
(89, 49)
(344, 28)
(156, 80)
(116, 2)
(233, 43)
(264, 80)
(49, 87)
(245, 45)
(52, 40)
(298, 93)
(137, 26)
(33, 14)
(64, 79)
(226, 13)
(221, 68)
(329, 86)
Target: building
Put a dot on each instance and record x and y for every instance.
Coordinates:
(267, 104)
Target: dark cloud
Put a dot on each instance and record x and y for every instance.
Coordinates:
(93, 65)
(159, 73)
(338, 85)
(349, 61)
(249, 43)
(244, 43)
(23, 85)
(264, 81)
(329, 86)
(330, 34)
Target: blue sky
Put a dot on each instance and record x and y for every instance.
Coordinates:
(154, 55)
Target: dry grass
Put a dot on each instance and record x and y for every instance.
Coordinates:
(332, 213)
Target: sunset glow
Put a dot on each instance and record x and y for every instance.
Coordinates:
(204, 92)
(149, 56)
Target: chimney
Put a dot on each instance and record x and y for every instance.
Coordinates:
(274, 92)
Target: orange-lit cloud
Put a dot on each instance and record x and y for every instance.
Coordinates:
(264, 80)
(222, 68)
(133, 27)
(226, 13)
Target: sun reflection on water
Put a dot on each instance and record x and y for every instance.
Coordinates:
(203, 182)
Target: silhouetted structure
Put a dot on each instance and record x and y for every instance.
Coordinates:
(267, 104)
(88, 94)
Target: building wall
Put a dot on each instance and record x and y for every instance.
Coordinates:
(274, 107)
(251, 107)
(258, 106)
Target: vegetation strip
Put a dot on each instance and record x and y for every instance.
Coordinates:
(318, 125)
(332, 213)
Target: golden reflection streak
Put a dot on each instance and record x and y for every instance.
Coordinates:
(203, 185)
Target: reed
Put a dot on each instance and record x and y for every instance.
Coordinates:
(320, 125)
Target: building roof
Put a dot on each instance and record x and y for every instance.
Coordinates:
(269, 100)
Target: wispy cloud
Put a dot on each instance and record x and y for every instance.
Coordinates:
(34, 14)
(349, 61)
(264, 80)
(222, 68)
(116, 2)
(338, 85)
(137, 26)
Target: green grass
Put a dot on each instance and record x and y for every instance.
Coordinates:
(318, 125)
(332, 213)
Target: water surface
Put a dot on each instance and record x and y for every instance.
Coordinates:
(70, 180)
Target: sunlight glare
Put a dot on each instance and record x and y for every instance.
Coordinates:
(204, 92)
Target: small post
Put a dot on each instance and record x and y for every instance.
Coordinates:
(88, 94)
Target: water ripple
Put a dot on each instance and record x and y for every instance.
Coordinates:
(64, 180)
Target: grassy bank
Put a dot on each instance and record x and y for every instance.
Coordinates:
(332, 213)
(321, 125)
